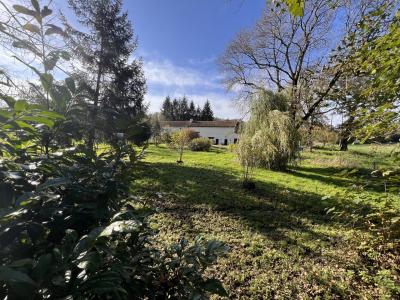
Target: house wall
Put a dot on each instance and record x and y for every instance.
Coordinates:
(217, 133)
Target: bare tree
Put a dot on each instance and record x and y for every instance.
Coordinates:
(282, 49)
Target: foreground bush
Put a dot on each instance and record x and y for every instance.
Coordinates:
(69, 227)
(200, 144)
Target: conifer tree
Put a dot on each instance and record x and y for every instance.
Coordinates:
(104, 48)
(183, 109)
(175, 108)
(192, 111)
(207, 114)
(198, 113)
(167, 109)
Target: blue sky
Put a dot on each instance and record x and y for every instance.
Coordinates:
(180, 42)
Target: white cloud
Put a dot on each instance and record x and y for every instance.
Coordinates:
(202, 61)
(167, 74)
(165, 78)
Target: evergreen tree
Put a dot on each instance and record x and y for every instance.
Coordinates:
(175, 110)
(104, 47)
(183, 109)
(167, 109)
(123, 107)
(180, 109)
(207, 114)
(192, 111)
(198, 113)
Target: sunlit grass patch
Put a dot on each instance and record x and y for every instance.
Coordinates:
(282, 242)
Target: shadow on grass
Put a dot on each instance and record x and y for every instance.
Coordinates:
(271, 209)
(332, 176)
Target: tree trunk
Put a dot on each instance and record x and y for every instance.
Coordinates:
(293, 102)
(310, 138)
(92, 132)
(346, 134)
(344, 141)
(180, 154)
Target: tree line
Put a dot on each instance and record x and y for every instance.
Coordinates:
(179, 109)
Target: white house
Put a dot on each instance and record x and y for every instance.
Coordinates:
(220, 132)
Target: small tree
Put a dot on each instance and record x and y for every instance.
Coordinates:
(180, 140)
(247, 158)
(156, 130)
(270, 132)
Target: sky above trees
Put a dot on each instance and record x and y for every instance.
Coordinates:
(180, 42)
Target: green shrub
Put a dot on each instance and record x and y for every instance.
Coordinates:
(200, 144)
(70, 229)
(193, 134)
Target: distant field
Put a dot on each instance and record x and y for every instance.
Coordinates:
(282, 243)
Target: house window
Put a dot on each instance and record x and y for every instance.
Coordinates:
(234, 141)
(216, 141)
(211, 137)
(225, 142)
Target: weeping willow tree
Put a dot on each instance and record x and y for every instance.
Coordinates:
(269, 139)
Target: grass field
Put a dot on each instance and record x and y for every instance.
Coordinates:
(282, 243)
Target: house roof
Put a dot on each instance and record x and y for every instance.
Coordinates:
(191, 123)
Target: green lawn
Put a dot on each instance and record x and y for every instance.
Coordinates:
(282, 243)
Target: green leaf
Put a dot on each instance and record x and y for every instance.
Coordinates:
(32, 28)
(87, 241)
(35, 5)
(8, 99)
(214, 286)
(27, 46)
(51, 183)
(20, 105)
(120, 227)
(25, 126)
(47, 81)
(18, 282)
(54, 30)
(46, 11)
(61, 96)
(43, 267)
(39, 120)
(52, 115)
(24, 10)
(22, 263)
(24, 197)
(70, 82)
(69, 241)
